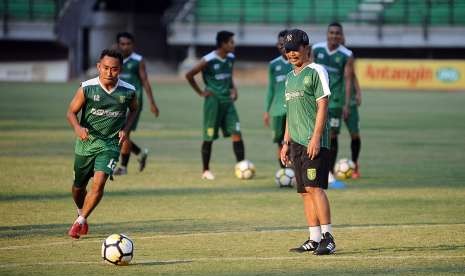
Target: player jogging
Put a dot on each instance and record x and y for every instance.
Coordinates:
(105, 122)
(274, 101)
(134, 72)
(339, 64)
(307, 135)
(219, 93)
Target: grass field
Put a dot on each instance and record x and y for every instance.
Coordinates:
(405, 216)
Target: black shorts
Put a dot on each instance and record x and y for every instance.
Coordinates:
(309, 173)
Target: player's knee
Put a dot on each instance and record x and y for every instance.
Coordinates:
(355, 136)
(236, 137)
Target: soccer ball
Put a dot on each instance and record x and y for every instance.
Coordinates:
(244, 169)
(344, 168)
(285, 178)
(117, 249)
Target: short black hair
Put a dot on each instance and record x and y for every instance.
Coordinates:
(112, 53)
(125, 35)
(282, 34)
(335, 24)
(223, 37)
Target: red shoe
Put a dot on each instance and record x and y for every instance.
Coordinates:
(84, 229)
(356, 173)
(75, 230)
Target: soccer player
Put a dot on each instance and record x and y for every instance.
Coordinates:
(307, 135)
(104, 125)
(134, 72)
(219, 94)
(339, 64)
(274, 101)
(353, 121)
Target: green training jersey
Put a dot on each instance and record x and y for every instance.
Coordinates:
(334, 63)
(302, 93)
(277, 72)
(217, 75)
(104, 115)
(130, 71)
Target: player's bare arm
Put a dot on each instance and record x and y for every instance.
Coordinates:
(285, 149)
(202, 64)
(74, 107)
(348, 75)
(313, 147)
(358, 90)
(233, 90)
(148, 88)
(132, 114)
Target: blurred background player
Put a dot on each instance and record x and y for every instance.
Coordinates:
(103, 102)
(339, 63)
(134, 72)
(274, 101)
(353, 121)
(219, 93)
(307, 135)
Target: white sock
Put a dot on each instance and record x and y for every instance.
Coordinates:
(79, 212)
(315, 233)
(81, 220)
(326, 228)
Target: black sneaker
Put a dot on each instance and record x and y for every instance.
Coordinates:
(327, 245)
(143, 159)
(307, 246)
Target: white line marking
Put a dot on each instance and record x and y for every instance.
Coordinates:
(226, 233)
(233, 259)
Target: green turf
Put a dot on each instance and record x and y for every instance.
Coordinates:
(406, 215)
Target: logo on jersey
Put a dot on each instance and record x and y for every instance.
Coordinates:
(337, 59)
(320, 56)
(122, 98)
(307, 80)
(222, 76)
(294, 94)
(96, 98)
(106, 113)
(311, 174)
(278, 68)
(216, 66)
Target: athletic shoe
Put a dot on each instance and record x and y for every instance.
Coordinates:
(143, 159)
(307, 246)
(120, 171)
(208, 175)
(327, 245)
(75, 230)
(331, 178)
(356, 173)
(84, 229)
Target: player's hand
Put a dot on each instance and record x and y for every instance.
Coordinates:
(123, 136)
(345, 112)
(266, 119)
(154, 109)
(313, 148)
(205, 94)
(82, 133)
(234, 94)
(358, 98)
(284, 155)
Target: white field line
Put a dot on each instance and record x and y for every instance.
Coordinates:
(227, 233)
(243, 259)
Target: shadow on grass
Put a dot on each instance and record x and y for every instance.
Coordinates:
(160, 262)
(162, 192)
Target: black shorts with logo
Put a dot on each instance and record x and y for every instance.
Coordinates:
(310, 173)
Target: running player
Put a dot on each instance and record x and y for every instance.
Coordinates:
(134, 72)
(339, 64)
(104, 125)
(307, 135)
(219, 93)
(274, 101)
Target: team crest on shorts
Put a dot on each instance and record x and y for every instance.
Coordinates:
(210, 132)
(122, 98)
(311, 174)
